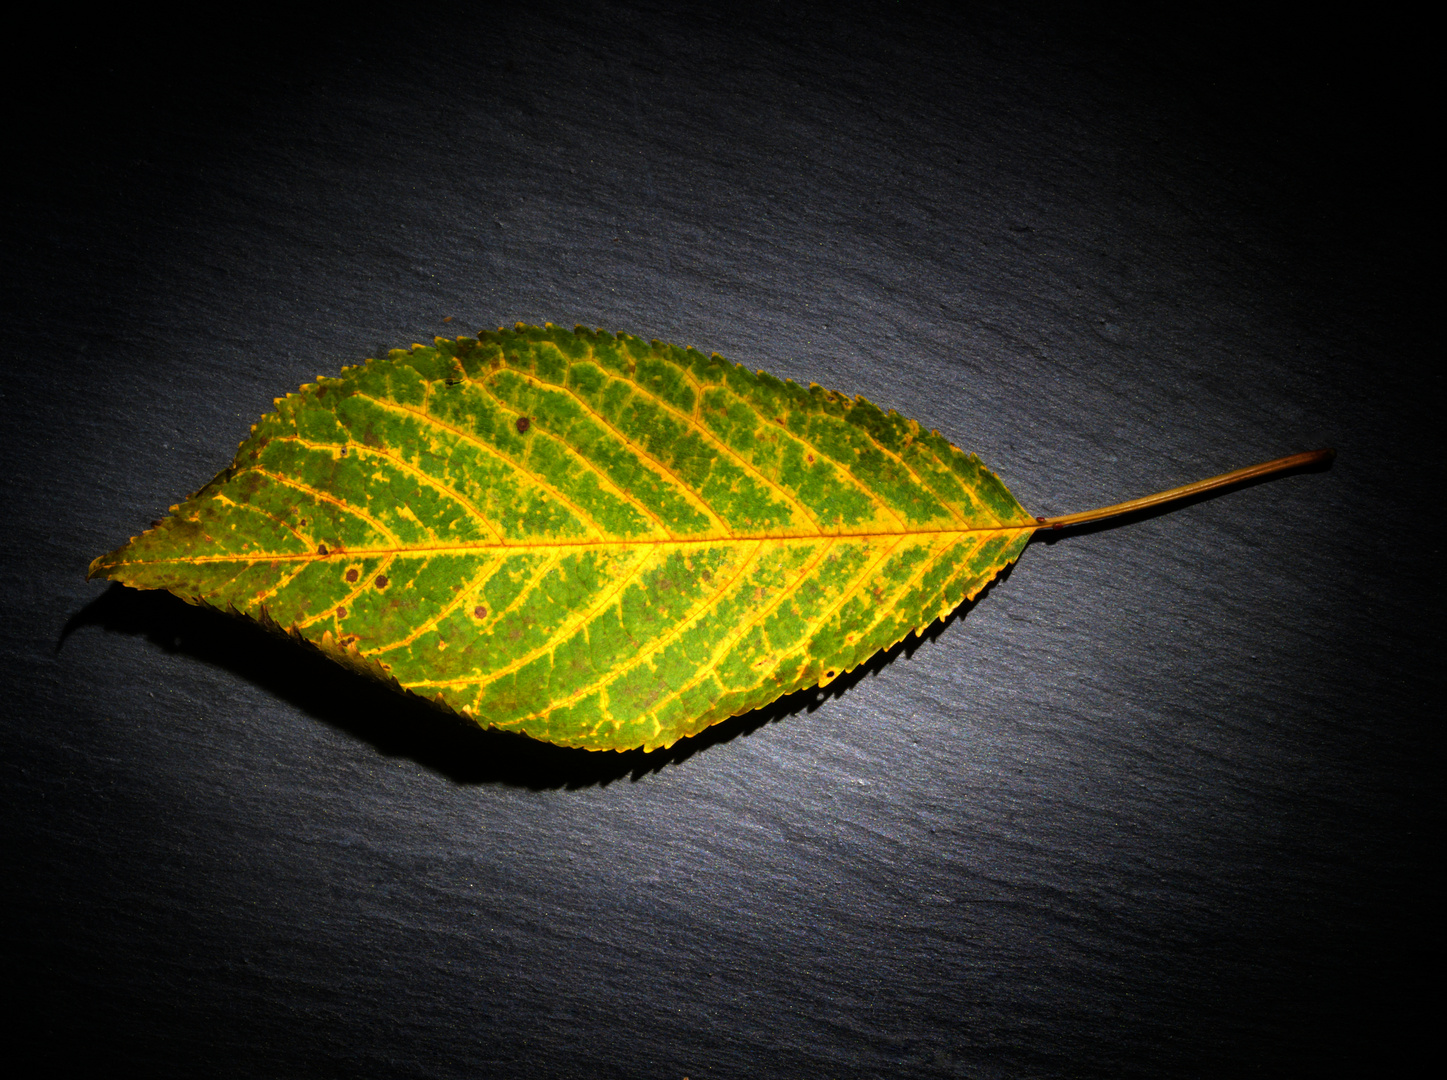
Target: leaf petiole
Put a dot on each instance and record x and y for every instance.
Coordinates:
(1200, 487)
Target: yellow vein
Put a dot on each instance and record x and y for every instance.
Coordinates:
(983, 577)
(541, 571)
(604, 477)
(923, 482)
(322, 496)
(920, 480)
(965, 571)
(973, 575)
(559, 636)
(216, 589)
(726, 448)
(868, 491)
(484, 680)
(461, 597)
(689, 494)
(364, 579)
(883, 610)
(406, 466)
(649, 649)
(308, 542)
(804, 650)
(973, 504)
(848, 594)
(248, 561)
(698, 421)
(261, 597)
(698, 409)
(584, 517)
(745, 627)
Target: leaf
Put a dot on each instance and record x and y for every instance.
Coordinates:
(592, 540)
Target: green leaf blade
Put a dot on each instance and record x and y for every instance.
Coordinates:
(592, 540)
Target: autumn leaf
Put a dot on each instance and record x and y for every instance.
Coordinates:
(594, 540)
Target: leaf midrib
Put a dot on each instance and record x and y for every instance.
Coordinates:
(550, 545)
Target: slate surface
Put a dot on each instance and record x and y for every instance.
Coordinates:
(1164, 802)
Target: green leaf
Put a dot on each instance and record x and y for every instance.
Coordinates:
(593, 540)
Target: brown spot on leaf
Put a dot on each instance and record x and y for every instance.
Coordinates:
(810, 459)
(321, 549)
(523, 424)
(381, 581)
(480, 612)
(352, 574)
(341, 613)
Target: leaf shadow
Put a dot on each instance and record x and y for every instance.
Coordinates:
(405, 726)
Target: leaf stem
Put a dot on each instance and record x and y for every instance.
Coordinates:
(1200, 487)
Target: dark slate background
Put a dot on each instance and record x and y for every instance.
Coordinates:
(1164, 802)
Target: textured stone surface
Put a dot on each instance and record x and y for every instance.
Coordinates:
(1163, 803)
